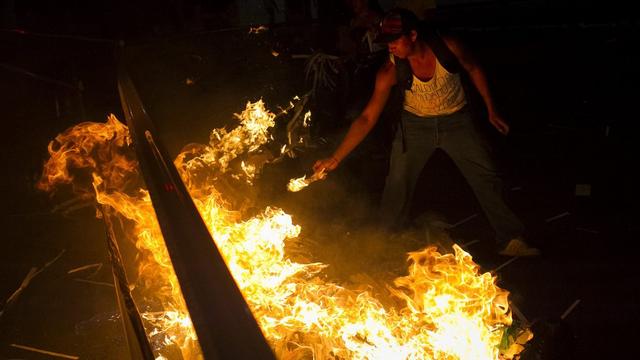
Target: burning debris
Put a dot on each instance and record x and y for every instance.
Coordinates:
(446, 308)
(302, 182)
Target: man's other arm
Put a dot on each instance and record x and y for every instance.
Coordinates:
(479, 79)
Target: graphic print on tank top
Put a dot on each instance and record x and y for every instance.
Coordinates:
(443, 94)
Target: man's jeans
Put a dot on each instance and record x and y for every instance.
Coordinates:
(416, 140)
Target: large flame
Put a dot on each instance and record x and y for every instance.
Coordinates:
(449, 309)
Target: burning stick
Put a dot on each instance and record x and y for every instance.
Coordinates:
(40, 351)
(298, 184)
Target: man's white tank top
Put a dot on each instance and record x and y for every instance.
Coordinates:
(441, 95)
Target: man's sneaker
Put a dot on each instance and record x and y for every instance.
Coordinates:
(517, 247)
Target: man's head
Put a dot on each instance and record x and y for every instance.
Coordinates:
(399, 30)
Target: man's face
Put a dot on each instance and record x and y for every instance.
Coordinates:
(402, 46)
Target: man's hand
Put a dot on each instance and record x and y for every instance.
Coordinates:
(327, 164)
(498, 122)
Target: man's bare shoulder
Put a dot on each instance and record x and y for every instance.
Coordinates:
(387, 72)
(387, 67)
(457, 46)
(453, 42)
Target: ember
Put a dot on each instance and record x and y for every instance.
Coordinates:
(450, 310)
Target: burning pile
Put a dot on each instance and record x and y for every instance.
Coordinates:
(450, 310)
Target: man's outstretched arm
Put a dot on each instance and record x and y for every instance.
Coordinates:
(362, 125)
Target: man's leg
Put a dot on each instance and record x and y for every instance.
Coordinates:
(410, 151)
(470, 152)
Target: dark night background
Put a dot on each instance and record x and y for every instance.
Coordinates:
(564, 74)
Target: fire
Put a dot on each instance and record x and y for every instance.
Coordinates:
(298, 184)
(449, 310)
(225, 146)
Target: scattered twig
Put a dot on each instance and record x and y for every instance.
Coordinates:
(71, 205)
(30, 275)
(516, 188)
(29, 348)
(467, 244)
(553, 218)
(570, 309)
(33, 272)
(464, 220)
(505, 264)
(588, 230)
(94, 282)
(39, 77)
(96, 268)
(46, 265)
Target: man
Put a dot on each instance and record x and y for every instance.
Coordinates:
(435, 115)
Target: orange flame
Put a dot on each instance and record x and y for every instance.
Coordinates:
(450, 311)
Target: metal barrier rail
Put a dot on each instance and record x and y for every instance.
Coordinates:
(224, 324)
